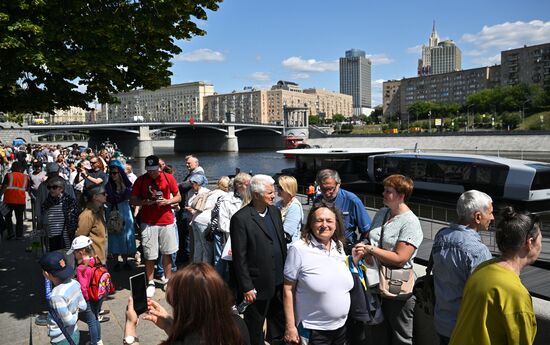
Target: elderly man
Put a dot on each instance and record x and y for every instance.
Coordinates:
(259, 251)
(193, 168)
(355, 215)
(456, 252)
(155, 192)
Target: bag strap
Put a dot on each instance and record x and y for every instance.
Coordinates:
(386, 216)
(62, 328)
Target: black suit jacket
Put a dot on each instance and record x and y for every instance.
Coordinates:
(252, 249)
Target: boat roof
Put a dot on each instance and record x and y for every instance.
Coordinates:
(467, 157)
(333, 151)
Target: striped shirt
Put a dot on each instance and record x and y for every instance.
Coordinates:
(56, 220)
(66, 299)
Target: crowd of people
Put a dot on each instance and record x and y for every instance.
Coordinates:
(295, 277)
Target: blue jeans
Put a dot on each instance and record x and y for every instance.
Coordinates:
(202, 249)
(220, 265)
(75, 336)
(91, 315)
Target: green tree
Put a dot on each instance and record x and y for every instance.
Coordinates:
(55, 53)
(338, 118)
(419, 110)
(313, 119)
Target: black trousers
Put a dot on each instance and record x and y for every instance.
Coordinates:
(19, 211)
(272, 310)
(334, 337)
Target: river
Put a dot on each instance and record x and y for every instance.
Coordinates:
(216, 164)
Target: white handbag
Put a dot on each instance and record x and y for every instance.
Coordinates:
(227, 253)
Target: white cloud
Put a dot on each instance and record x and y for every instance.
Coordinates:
(300, 76)
(260, 76)
(487, 60)
(510, 35)
(205, 54)
(415, 50)
(296, 63)
(379, 59)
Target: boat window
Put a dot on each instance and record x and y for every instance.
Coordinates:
(542, 177)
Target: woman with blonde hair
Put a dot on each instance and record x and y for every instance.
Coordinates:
(292, 212)
(201, 311)
(229, 204)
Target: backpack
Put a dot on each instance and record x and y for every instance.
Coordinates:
(101, 284)
(115, 221)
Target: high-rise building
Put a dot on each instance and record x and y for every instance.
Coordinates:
(355, 79)
(527, 65)
(439, 57)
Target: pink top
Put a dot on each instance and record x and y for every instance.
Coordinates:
(84, 272)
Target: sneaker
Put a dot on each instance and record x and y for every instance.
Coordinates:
(41, 320)
(163, 280)
(102, 318)
(99, 342)
(150, 289)
(104, 312)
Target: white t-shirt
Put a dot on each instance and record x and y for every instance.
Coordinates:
(323, 282)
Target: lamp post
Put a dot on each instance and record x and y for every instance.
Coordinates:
(523, 111)
(468, 116)
(429, 121)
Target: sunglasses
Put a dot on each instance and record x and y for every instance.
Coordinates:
(113, 172)
(53, 187)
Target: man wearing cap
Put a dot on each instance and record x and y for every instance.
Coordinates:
(65, 299)
(14, 188)
(155, 192)
(52, 170)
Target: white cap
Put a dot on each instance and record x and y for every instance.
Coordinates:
(79, 243)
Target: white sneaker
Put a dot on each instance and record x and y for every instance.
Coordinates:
(163, 280)
(100, 342)
(150, 289)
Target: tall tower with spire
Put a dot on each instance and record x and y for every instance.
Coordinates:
(439, 57)
(425, 63)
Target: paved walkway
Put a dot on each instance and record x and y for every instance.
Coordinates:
(22, 295)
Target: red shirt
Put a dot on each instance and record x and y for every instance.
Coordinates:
(145, 187)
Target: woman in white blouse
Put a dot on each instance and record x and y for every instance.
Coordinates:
(317, 282)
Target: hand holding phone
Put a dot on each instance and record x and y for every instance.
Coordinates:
(139, 288)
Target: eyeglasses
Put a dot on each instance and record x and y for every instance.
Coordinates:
(113, 172)
(53, 187)
(94, 162)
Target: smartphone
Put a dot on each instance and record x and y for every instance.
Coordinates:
(138, 287)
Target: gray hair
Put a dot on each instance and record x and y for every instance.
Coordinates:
(470, 202)
(326, 174)
(258, 183)
(195, 159)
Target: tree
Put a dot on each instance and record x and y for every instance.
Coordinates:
(313, 119)
(338, 118)
(55, 53)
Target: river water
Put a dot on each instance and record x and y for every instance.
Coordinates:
(216, 164)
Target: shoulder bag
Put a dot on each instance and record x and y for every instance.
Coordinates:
(395, 282)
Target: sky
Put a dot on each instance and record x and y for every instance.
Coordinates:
(258, 42)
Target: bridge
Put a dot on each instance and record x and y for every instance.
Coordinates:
(135, 138)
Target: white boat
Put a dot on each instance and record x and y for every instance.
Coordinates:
(501, 178)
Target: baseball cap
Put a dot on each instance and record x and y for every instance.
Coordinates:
(152, 163)
(52, 167)
(55, 264)
(78, 243)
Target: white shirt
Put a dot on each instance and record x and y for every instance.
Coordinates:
(323, 282)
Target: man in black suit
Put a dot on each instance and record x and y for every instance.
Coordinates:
(259, 251)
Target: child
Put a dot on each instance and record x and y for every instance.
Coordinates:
(83, 253)
(65, 300)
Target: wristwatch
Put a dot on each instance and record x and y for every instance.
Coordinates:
(130, 340)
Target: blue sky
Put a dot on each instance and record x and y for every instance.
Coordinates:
(258, 42)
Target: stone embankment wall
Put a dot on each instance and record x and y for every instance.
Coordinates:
(527, 146)
(10, 131)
